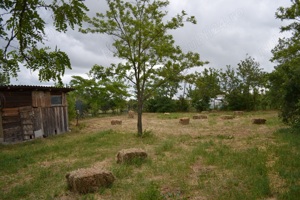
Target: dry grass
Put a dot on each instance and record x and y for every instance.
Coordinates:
(240, 127)
(201, 160)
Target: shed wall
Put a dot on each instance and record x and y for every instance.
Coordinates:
(26, 112)
(41, 99)
(11, 99)
(51, 121)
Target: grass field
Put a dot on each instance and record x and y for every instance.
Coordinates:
(207, 159)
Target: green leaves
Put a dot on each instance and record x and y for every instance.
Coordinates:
(206, 86)
(51, 65)
(141, 39)
(102, 91)
(284, 81)
(22, 34)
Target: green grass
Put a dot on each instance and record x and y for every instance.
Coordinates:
(186, 166)
(288, 162)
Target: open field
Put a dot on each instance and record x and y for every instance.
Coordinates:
(208, 159)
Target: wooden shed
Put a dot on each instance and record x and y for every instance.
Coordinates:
(28, 112)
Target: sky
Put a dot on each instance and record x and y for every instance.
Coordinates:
(226, 31)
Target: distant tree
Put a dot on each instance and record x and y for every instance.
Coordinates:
(162, 97)
(206, 86)
(285, 81)
(22, 35)
(72, 113)
(252, 80)
(100, 91)
(87, 91)
(142, 39)
(229, 80)
(114, 86)
(242, 86)
(182, 104)
(160, 104)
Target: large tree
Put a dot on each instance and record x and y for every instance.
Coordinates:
(285, 82)
(142, 39)
(22, 35)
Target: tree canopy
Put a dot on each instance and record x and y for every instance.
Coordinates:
(22, 35)
(101, 91)
(206, 86)
(141, 38)
(285, 82)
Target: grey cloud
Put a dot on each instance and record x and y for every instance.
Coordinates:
(226, 31)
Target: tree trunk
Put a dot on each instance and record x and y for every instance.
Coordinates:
(139, 117)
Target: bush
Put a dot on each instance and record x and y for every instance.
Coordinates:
(160, 104)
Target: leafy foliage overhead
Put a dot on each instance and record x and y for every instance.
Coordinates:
(22, 35)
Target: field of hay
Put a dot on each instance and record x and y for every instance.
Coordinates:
(213, 158)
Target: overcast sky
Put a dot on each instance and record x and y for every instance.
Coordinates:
(225, 32)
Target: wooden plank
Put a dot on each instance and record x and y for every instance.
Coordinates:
(41, 99)
(14, 99)
(37, 122)
(10, 109)
(10, 112)
(27, 122)
(25, 109)
(10, 125)
(64, 99)
(8, 119)
(47, 100)
(10, 131)
(1, 127)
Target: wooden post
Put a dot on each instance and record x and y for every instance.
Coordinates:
(1, 128)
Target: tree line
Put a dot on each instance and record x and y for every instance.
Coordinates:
(154, 65)
(244, 87)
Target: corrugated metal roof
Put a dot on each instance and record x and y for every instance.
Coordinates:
(33, 88)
